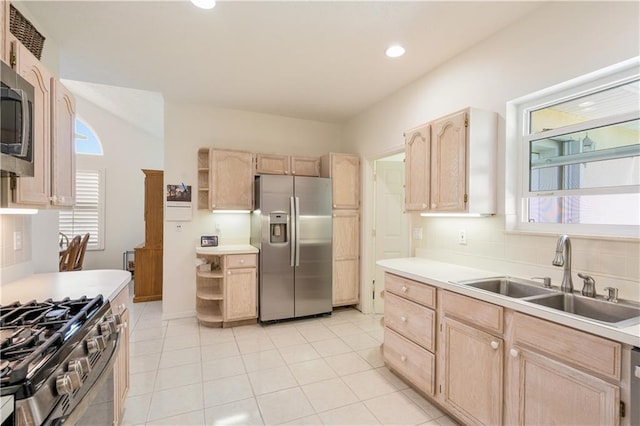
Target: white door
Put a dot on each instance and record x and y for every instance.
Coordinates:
(391, 223)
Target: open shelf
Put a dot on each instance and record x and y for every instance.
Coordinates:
(209, 293)
(209, 274)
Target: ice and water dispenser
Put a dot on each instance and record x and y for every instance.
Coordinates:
(277, 227)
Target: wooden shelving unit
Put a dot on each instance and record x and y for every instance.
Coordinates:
(203, 178)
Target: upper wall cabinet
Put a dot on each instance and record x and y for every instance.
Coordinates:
(225, 179)
(63, 153)
(275, 164)
(451, 164)
(344, 171)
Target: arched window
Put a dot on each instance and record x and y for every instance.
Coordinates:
(87, 215)
(87, 142)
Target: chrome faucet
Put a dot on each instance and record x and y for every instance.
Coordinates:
(563, 258)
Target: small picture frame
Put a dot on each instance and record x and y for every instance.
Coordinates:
(209, 241)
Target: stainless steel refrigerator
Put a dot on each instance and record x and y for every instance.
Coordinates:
(291, 226)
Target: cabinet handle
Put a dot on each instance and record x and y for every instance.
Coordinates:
(514, 353)
(403, 358)
(241, 260)
(404, 289)
(125, 324)
(228, 272)
(494, 344)
(403, 319)
(434, 205)
(381, 294)
(122, 307)
(335, 206)
(424, 206)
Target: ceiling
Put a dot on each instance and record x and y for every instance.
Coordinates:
(317, 60)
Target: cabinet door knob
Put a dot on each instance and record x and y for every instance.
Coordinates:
(228, 272)
(514, 353)
(424, 206)
(404, 289)
(495, 344)
(403, 358)
(403, 319)
(381, 294)
(241, 260)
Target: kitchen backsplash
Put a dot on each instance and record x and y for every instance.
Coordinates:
(10, 224)
(612, 263)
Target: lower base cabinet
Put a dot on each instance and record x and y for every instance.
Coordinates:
(472, 373)
(148, 279)
(119, 305)
(496, 366)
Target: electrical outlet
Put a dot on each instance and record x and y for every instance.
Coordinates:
(17, 240)
(462, 237)
(417, 233)
(178, 227)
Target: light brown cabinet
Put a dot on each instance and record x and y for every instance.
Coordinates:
(409, 331)
(148, 279)
(53, 183)
(344, 171)
(121, 367)
(451, 164)
(496, 366)
(225, 179)
(275, 164)
(226, 289)
(346, 257)
(575, 376)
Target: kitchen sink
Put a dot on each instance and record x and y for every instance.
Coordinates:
(508, 286)
(618, 314)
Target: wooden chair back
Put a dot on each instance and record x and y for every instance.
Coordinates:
(67, 258)
(79, 260)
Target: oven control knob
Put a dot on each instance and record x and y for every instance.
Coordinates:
(96, 344)
(80, 365)
(116, 319)
(68, 382)
(107, 327)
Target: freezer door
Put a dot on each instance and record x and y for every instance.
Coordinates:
(276, 273)
(313, 271)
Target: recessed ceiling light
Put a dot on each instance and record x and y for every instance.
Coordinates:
(204, 4)
(394, 51)
(586, 104)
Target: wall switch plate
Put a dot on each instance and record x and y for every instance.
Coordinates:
(417, 233)
(462, 237)
(17, 240)
(178, 227)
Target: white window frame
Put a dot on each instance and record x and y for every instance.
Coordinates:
(517, 152)
(92, 245)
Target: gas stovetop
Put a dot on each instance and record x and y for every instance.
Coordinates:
(35, 332)
(54, 353)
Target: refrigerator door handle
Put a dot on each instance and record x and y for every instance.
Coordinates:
(294, 235)
(297, 226)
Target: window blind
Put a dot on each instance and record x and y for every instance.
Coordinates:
(88, 213)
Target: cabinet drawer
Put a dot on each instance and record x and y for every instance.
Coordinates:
(410, 360)
(241, 260)
(473, 311)
(581, 349)
(413, 321)
(412, 290)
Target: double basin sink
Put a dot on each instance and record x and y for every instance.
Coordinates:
(620, 314)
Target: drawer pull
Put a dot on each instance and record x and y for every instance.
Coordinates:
(514, 353)
(382, 294)
(494, 344)
(403, 319)
(241, 260)
(403, 358)
(404, 289)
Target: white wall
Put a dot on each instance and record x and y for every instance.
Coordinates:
(556, 42)
(189, 127)
(127, 149)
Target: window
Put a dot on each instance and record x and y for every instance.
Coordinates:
(579, 150)
(88, 213)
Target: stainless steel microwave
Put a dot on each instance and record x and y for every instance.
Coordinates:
(16, 123)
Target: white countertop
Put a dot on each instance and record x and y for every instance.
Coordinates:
(440, 274)
(228, 249)
(58, 285)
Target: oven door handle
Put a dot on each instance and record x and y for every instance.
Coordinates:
(79, 410)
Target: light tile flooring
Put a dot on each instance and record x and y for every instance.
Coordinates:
(319, 371)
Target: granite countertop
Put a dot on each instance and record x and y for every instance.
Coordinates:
(444, 275)
(228, 249)
(58, 285)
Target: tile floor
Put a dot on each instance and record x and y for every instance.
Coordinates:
(311, 372)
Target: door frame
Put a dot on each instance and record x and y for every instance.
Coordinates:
(368, 261)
